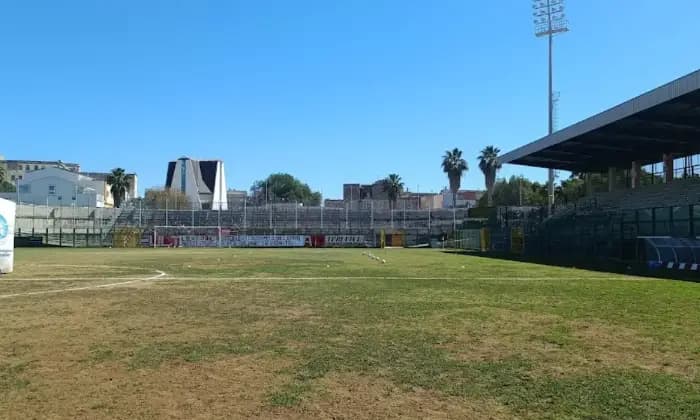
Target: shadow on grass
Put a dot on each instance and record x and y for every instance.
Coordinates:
(614, 266)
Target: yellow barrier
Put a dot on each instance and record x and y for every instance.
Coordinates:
(127, 238)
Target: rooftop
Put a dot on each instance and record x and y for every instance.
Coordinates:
(663, 120)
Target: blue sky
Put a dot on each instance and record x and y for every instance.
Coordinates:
(329, 91)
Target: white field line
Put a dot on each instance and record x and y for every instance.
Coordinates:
(331, 278)
(75, 289)
(121, 267)
(77, 280)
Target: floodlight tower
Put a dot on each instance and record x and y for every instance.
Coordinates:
(549, 20)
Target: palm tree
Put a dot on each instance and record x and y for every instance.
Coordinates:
(489, 165)
(393, 186)
(118, 184)
(454, 166)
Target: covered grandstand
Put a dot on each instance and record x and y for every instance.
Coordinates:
(660, 127)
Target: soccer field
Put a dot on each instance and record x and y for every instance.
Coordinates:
(306, 333)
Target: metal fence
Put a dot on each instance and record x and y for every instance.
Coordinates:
(298, 219)
(83, 226)
(64, 238)
(604, 234)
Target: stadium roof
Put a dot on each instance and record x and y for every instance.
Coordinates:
(664, 120)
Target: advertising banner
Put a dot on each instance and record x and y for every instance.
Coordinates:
(345, 240)
(266, 241)
(238, 241)
(7, 235)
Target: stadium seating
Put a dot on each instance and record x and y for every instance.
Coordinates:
(287, 218)
(678, 193)
(97, 225)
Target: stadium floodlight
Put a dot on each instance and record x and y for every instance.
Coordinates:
(549, 19)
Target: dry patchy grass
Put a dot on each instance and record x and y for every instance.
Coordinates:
(476, 343)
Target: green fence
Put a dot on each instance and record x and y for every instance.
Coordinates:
(610, 234)
(74, 238)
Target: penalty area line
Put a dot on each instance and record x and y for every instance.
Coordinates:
(77, 280)
(160, 275)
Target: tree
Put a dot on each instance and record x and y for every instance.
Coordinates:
(570, 190)
(489, 165)
(393, 186)
(171, 199)
(515, 191)
(454, 166)
(282, 187)
(7, 187)
(4, 185)
(118, 184)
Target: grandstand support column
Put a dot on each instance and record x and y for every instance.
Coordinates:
(454, 220)
(588, 184)
(429, 219)
(611, 178)
(550, 190)
(245, 215)
(668, 167)
(218, 229)
(404, 214)
(635, 174)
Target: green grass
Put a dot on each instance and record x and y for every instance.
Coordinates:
(310, 333)
(11, 377)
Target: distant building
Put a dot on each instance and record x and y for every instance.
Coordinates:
(374, 191)
(374, 196)
(15, 170)
(202, 181)
(431, 201)
(351, 192)
(236, 198)
(54, 186)
(465, 198)
(334, 203)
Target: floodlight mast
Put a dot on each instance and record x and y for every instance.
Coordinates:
(549, 20)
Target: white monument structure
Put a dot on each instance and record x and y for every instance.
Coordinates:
(202, 181)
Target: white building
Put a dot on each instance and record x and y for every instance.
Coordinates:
(59, 187)
(16, 170)
(202, 181)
